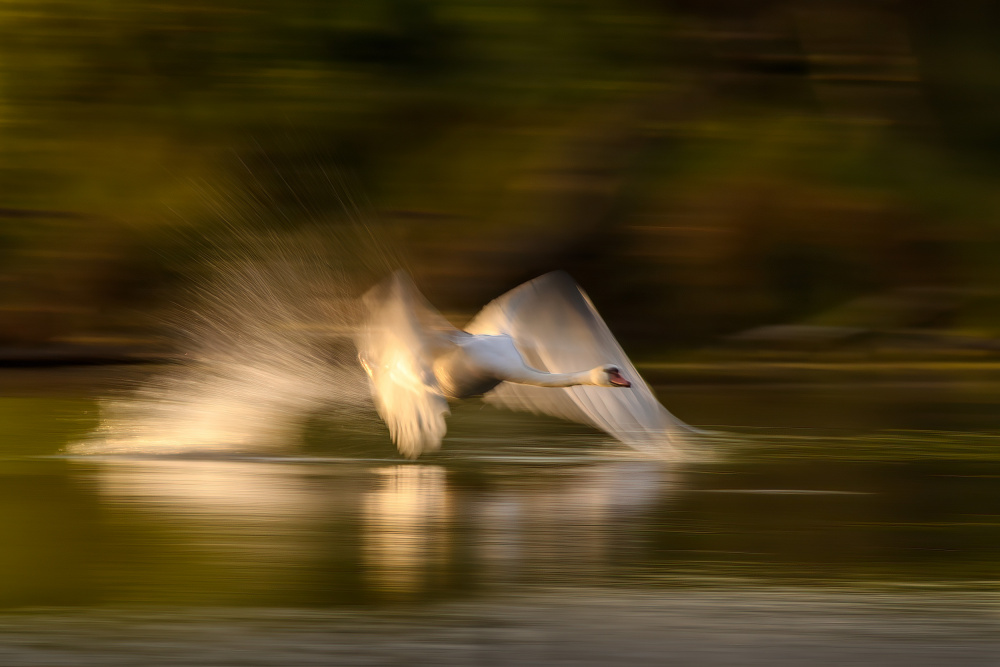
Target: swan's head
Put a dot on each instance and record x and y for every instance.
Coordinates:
(609, 376)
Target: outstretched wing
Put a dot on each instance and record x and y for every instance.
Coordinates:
(397, 344)
(557, 329)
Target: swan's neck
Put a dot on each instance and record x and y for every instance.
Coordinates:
(565, 379)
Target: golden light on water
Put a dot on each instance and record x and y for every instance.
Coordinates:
(407, 527)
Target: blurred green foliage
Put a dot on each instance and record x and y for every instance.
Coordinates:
(701, 167)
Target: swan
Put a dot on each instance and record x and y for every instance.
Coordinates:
(541, 347)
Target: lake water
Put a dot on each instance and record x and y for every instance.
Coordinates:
(816, 489)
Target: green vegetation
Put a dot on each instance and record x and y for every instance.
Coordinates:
(701, 167)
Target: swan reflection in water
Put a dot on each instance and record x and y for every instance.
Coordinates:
(407, 527)
(566, 522)
(273, 526)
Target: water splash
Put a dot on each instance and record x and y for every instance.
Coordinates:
(266, 318)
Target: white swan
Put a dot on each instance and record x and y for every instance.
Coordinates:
(523, 351)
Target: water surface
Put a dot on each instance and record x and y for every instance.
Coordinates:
(511, 503)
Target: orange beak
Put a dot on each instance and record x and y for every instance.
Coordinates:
(617, 380)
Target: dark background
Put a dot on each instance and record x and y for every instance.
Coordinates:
(702, 168)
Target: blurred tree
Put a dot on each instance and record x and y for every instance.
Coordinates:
(701, 166)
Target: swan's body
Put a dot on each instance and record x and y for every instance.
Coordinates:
(478, 363)
(534, 348)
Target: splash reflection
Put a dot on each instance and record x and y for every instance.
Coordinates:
(223, 532)
(228, 491)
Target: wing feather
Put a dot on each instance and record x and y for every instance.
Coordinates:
(397, 345)
(557, 329)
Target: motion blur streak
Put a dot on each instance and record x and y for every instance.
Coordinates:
(266, 344)
(701, 168)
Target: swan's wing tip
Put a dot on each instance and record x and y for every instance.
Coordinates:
(558, 279)
(556, 328)
(397, 346)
